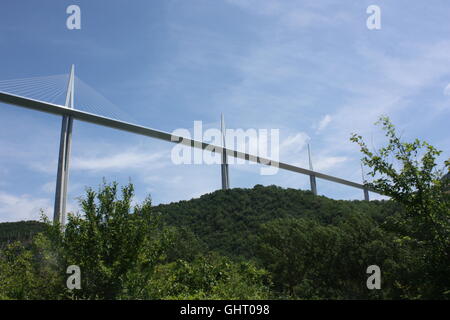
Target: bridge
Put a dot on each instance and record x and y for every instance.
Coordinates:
(69, 114)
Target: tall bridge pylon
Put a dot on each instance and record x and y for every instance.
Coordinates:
(366, 191)
(224, 165)
(62, 177)
(312, 178)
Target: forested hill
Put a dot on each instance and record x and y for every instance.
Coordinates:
(19, 231)
(227, 221)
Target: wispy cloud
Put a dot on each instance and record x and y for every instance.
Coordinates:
(326, 163)
(294, 13)
(49, 187)
(23, 207)
(323, 123)
(294, 143)
(131, 159)
(447, 90)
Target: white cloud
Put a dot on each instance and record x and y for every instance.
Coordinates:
(293, 13)
(429, 63)
(326, 163)
(389, 90)
(49, 187)
(183, 182)
(268, 7)
(294, 143)
(322, 162)
(23, 207)
(324, 123)
(447, 90)
(304, 18)
(123, 160)
(107, 160)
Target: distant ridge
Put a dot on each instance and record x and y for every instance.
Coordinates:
(22, 231)
(226, 220)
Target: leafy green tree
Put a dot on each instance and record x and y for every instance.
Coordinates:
(407, 172)
(25, 273)
(291, 249)
(184, 245)
(312, 248)
(228, 221)
(309, 260)
(208, 276)
(17, 279)
(115, 245)
(362, 243)
(124, 252)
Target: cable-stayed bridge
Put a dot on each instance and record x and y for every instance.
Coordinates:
(44, 94)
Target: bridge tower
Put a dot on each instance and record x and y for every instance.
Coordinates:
(224, 165)
(62, 177)
(366, 191)
(312, 178)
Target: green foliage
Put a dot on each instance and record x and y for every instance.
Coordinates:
(115, 246)
(16, 272)
(227, 221)
(123, 252)
(292, 248)
(183, 245)
(112, 242)
(27, 274)
(407, 172)
(208, 277)
(260, 243)
(309, 260)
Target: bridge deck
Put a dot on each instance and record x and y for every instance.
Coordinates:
(153, 133)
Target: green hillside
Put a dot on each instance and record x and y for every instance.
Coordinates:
(264, 242)
(227, 221)
(19, 231)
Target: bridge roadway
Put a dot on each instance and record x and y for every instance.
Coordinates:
(42, 106)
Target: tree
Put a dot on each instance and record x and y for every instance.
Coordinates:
(310, 260)
(123, 252)
(208, 276)
(29, 272)
(292, 249)
(407, 172)
(17, 280)
(115, 245)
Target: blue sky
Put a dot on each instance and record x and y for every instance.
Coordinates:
(311, 69)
